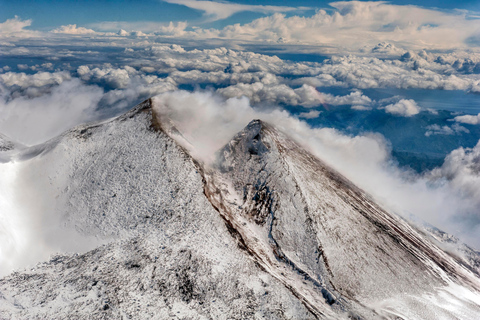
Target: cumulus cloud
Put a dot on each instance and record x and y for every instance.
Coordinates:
(73, 29)
(387, 49)
(468, 119)
(361, 108)
(367, 72)
(404, 108)
(129, 28)
(312, 114)
(461, 174)
(219, 10)
(435, 129)
(354, 98)
(274, 93)
(270, 90)
(14, 26)
(462, 169)
(39, 79)
(128, 85)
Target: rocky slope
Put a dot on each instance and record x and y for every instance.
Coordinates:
(266, 232)
(6, 147)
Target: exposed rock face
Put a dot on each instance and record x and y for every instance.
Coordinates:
(268, 232)
(6, 146)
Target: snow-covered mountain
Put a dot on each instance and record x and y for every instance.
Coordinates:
(267, 231)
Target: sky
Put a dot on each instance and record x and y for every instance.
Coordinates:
(385, 92)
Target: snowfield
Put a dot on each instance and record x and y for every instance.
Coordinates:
(267, 231)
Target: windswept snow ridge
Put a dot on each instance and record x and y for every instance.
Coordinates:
(267, 231)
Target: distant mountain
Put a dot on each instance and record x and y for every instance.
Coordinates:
(268, 231)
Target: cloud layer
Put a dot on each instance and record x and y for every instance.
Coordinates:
(344, 26)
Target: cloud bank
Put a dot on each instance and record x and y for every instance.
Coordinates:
(345, 26)
(356, 23)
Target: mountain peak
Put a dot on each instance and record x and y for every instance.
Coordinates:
(255, 123)
(316, 223)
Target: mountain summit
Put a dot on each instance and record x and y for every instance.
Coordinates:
(266, 231)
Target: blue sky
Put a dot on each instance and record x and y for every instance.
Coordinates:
(48, 14)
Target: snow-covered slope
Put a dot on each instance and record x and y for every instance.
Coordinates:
(298, 216)
(268, 231)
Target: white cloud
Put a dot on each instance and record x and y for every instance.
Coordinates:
(113, 77)
(387, 49)
(461, 174)
(361, 108)
(258, 92)
(218, 10)
(435, 129)
(354, 98)
(468, 119)
(462, 170)
(14, 26)
(367, 72)
(312, 114)
(73, 29)
(38, 79)
(31, 121)
(269, 89)
(404, 108)
(125, 28)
